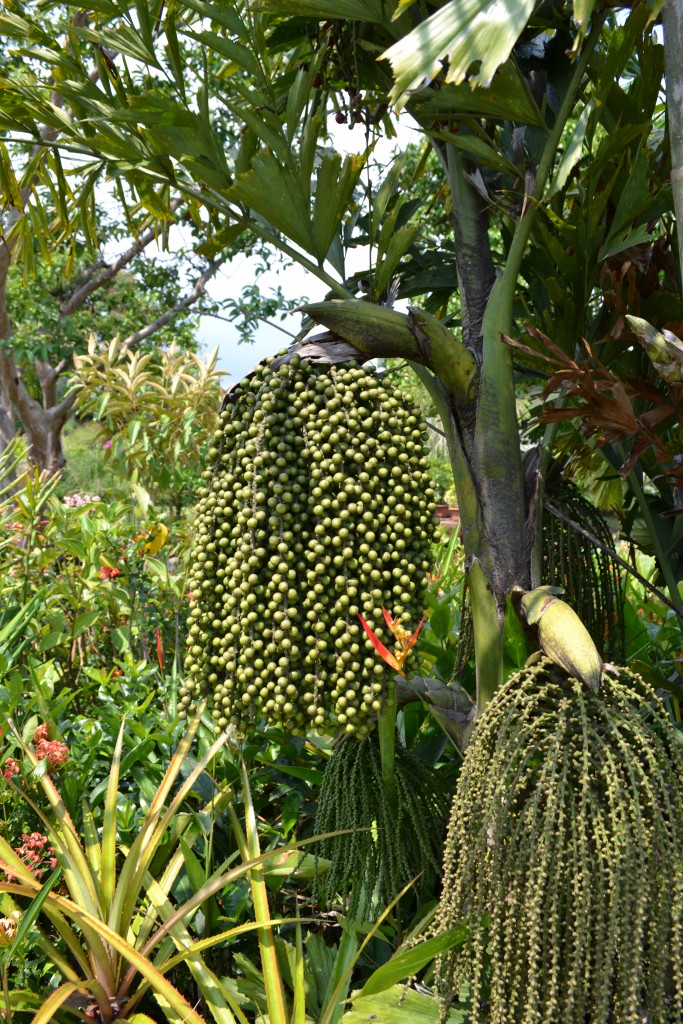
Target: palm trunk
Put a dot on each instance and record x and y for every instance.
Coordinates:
(673, 49)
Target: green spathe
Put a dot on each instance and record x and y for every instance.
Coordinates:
(565, 839)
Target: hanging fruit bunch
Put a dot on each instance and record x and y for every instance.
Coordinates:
(569, 806)
(317, 509)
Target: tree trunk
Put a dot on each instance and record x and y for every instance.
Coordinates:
(43, 425)
(673, 49)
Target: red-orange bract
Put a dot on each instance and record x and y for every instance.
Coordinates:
(405, 641)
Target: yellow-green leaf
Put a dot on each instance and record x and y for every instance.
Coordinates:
(462, 32)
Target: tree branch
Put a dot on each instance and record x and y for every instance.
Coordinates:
(189, 300)
(76, 300)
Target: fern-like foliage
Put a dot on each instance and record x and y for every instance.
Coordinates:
(390, 843)
(564, 857)
(592, 580)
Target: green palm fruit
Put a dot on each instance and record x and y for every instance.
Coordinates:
(293, 531)
(562, 635)
(563, 857)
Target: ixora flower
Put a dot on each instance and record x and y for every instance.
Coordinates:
(11, 769)
(52, 751)
(107, 573)
(76, 500)
(36, 853)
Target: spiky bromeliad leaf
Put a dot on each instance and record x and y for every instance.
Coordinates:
(563, 856)
(389, 844)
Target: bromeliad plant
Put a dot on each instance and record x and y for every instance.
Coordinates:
(112, 929)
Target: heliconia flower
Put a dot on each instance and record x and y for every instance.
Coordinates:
(405, 641)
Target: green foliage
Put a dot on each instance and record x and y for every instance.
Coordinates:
(87, 469)
(106, 600)
(592, 581)
(157, 412)
(116, 927)
(387, 844)
(319, 508)
(128, 302)
(570, 809)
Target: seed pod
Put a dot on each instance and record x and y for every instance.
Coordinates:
(562, 635)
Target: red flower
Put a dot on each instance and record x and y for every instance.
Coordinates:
(41, 733)
(404, 640)
(52, 751)
(109, 574)
(11, 769)
(36, 854)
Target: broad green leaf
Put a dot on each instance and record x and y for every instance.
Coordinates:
(404, 964)
(398, 1006)
(339, 10)
(389, 258)
(228, 48)
(462, 32)
(125, 39)
(14, 26)
(572, 153)
(222, 14)
(299, 1007)
(9, 186)
(335, 184)
(173, 50)
(480, 150)
(615, 245)
(507, 97)
(108, 848)
(514, 639)
(83, 622)
(276, 193)
(30, 915)
(582, 12)
(440, 621)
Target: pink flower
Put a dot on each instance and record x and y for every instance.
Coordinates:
(107, 444)
(36, 854)
(52, 751)
(11, 769)
(109, 574)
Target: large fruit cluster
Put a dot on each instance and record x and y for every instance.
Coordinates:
(317, 508)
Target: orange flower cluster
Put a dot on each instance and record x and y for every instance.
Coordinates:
(54, 752)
